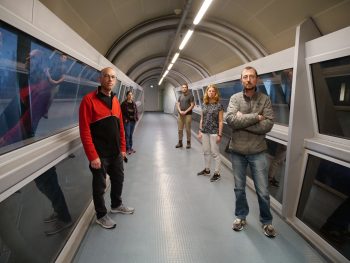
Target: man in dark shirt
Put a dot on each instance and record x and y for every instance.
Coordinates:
(184, 105)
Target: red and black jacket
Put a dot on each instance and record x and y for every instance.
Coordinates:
(101, 128)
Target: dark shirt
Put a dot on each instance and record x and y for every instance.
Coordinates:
(185, 101)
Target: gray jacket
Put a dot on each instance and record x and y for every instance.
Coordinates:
(248, 133)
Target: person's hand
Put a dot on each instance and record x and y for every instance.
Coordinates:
(199, 136)
(2, 142)
(218, 139)
(261, 117)
(123, 154)
(96, 164)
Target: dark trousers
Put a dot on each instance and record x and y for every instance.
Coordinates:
(114, 168)
(47, 183)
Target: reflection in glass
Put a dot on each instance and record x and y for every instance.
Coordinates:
(227, 89)
(200, 94)
(37, 220)
(196, 98)
(40, 89)
(324, 203)
(331, 81)
(122, 92)
(277, 162)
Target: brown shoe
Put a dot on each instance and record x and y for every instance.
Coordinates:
(188, 146)
(179, 145)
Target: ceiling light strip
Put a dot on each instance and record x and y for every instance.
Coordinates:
(202, 11)
(186, 38)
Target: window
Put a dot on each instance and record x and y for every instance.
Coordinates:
(331, 80)
(227, 89)
(40, 89)
(196, 97)
(62, 187)
(277, 163)
(324, 203)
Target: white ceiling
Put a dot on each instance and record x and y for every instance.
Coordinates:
(136, 35)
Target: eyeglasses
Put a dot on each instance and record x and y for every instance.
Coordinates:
(107, 76)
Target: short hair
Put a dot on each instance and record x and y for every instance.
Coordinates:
(185, 84)
(250, 68)
(217, 94)
(128, 92)
(104, 69)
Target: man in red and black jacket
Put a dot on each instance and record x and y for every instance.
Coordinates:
(102, 134)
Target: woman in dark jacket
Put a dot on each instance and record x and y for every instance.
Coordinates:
(130, 117)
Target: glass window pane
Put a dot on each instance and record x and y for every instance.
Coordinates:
(201, 94)
(196, 98)
(227, 89)
(331, 81)
(121, 94)
(37, 220)
(40, 89)
(277, 163)
(278, 86)
(324, 203)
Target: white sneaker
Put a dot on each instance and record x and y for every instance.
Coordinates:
(238, 224)
(106, 222)
(123, 210)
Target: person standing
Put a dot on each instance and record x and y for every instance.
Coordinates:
(210, 130)
(130, 117)
(184, 105)
(250, 116)
(102, 134)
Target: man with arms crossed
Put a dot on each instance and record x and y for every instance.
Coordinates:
(250, 116)
(102, 134)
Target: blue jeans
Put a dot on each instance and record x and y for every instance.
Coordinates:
(258, 167)
(129, 130)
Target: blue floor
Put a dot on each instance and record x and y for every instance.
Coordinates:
(182, 217)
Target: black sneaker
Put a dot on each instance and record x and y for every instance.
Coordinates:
(238, 224)
(188, 146)
(179, 145)
(204, 172)
(51, 218)
(58, 227)
(269, 231)
(274, 182)
(215, 177)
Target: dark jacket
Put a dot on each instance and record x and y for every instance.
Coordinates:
(127, 114)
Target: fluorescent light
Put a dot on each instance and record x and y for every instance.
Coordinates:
(170, 66)
(342, 92)
(202, 11)
(160, 82)
(175, 57)
(165, 73)
(186, 38)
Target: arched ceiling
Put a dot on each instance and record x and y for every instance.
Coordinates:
(136, 35)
